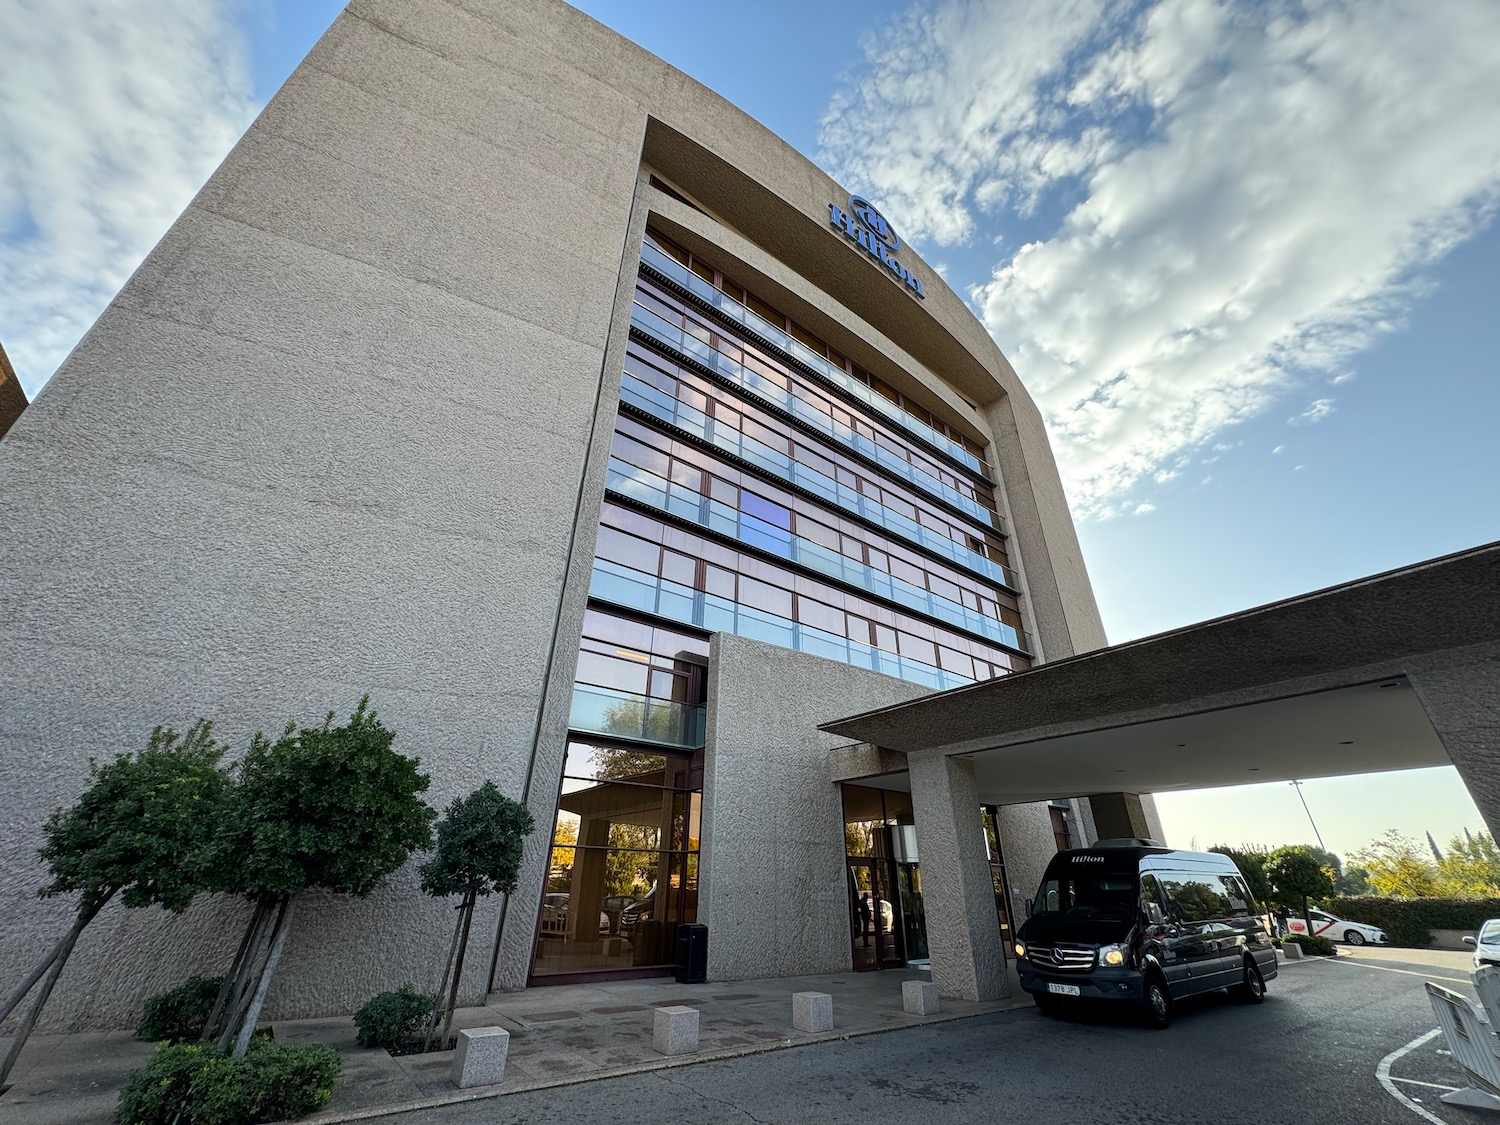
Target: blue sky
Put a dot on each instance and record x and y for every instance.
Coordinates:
(1242, 254)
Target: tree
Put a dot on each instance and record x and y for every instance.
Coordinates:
(1354, 881)
(328, 807)
(478, 852)
(1471, 869)
(141, 831)
(1296, 875)
(1397, 866)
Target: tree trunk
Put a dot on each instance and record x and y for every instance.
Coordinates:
(14, 1000)
(458, 966)
(430, 1024)
(248, 944)
(65, 950)
(247, 1028)
(251, 972)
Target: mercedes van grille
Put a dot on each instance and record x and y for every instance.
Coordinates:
(1072, 958)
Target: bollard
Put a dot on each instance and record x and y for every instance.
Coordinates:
(812, 1011)
(675, 1031)
(919, 997)
(480, 1057)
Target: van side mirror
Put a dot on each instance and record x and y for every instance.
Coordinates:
(1470, 941)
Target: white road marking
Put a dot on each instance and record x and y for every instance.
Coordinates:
(1387, 969)
(1383, 1072)
(1433, 1085)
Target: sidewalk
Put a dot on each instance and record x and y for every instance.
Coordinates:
(559, 1035)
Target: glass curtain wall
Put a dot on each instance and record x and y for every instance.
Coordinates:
(624, 865)
(762, 484)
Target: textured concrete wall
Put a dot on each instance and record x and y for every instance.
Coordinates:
(334, 437)
(957, 889)
(1460, 692)
(774, 889)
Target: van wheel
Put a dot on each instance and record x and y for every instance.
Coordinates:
(1252, 990)
(1354, 937)
(1156, 1008)
(1048, 1004)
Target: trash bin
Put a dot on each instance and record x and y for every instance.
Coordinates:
(692, 953)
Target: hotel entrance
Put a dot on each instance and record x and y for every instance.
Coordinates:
(887, 922)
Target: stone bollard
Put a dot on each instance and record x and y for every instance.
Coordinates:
(919, 997)
(480, 1057)
(812, 1011)
(675, 1031)
(1292, 951)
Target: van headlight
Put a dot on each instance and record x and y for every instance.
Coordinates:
(1020, 949)
(1111, 955)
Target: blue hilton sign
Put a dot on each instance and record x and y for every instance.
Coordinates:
(866, 226)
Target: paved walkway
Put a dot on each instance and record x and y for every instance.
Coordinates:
(559, 1035)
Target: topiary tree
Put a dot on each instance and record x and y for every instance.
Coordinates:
(141, 831)
(1295, 875)
(328, 807)
(478, 852)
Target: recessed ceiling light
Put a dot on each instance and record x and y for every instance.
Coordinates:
(1180, 745)
(1347, 742)
(1255, 769)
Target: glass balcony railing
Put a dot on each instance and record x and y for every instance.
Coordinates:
(604, 711)
(754, 385)
(669, 269)
(632, 589)
(658, 404)
(665, 496)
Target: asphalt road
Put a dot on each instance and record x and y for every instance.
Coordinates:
(1309, 1054)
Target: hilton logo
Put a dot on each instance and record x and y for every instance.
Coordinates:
(868, 227)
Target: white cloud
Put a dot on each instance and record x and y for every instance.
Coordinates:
(111, 117)
(1279, 449)
(1248, 191)
(1143, 509)
(1316, 411)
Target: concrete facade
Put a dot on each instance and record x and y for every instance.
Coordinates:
(344, 431)
(773, 892)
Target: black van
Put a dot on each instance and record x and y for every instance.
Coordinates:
(1137, 923)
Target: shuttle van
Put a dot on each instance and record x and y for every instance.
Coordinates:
(1132, 922)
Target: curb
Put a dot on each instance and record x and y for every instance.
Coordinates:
(665, 1063)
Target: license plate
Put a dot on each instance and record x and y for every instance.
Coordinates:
(1064, 989)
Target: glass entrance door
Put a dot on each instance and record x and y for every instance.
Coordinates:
(875, 937)
(913, 913)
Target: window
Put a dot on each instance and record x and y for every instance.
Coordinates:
(1193, 898)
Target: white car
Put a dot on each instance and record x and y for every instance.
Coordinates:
(1487, 944)
(1336, 929)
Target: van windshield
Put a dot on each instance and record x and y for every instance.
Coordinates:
(1089, 896)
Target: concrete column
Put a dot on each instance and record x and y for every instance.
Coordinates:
(1119, 816)
(963, 933)
(1461, 694)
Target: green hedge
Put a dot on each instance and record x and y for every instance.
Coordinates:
(1311, 944)
(1410, 921)
(194, 1084)
(393, 1019)
(178, 1015)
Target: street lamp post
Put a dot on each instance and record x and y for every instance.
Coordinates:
(1298, 786)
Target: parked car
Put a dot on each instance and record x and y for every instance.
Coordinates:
(1487, 944)
(555, 916)
(614, 906)
(1336, 929)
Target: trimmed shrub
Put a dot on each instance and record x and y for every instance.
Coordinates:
(179, 1014)
(1410, 921)
(393, 1018)
(1312, 944)
(195, 1084)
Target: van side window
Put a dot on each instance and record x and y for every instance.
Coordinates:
(1192, 899)
(1241, 905)
(1151, 900)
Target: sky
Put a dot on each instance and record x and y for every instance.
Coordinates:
(1242, 255)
